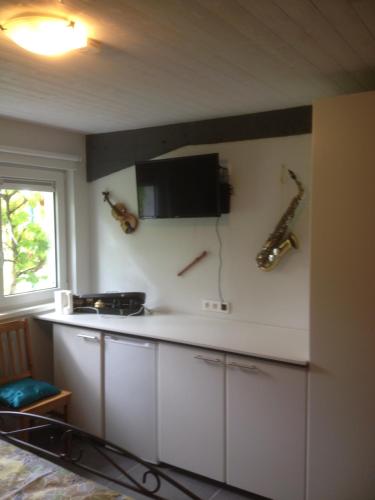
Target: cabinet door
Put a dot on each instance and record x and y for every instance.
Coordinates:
(266, 426)
(78, 368)
(191, 409)
(130, 395)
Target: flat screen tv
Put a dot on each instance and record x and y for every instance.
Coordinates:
(179, 187)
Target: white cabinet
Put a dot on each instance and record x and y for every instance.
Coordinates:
(130, 395)
(78, 368)
(266, 427)
(231, 418)
(191, 409)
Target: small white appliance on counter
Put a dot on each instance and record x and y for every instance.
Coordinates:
(63, 302)
(130, 395)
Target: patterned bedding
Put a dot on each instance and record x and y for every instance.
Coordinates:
(25, 476)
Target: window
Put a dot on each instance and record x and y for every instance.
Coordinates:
(32, 235)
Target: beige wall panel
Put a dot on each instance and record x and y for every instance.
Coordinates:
(341, 459)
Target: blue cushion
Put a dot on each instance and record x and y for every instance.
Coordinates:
(25, 392)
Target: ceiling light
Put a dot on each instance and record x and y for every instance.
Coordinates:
(47, 36)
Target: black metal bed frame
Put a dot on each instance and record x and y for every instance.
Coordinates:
(64, 437)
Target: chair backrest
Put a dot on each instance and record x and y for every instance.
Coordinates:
(15, 351)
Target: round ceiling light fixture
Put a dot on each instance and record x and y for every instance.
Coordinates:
(46, 35)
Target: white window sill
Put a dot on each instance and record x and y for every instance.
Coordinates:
(26, 311)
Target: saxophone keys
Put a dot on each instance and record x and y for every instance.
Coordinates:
(293, 240)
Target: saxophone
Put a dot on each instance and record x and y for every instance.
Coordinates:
(281, 240)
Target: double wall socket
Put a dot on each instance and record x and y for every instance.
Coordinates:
(215, 306)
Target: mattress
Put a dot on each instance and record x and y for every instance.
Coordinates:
(25, 476)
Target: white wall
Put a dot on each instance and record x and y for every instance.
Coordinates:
(29, 135)
(25, 135)
(149, 259)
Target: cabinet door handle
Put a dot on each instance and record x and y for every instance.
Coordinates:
(90, 338)
(216, 361)
(251, 368)
(128, 342)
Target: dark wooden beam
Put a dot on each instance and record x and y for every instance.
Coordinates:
(113, 151)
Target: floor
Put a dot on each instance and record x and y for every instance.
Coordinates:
(204, 489)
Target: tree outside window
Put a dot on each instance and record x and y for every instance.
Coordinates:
(28, 240)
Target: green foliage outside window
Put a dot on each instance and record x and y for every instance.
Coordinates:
(25, 243)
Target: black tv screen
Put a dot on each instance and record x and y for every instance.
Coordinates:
(178, 187)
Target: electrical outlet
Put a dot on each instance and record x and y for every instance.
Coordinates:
(225, 307)
(206, 305)
(215, 306)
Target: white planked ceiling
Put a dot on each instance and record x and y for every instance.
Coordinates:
(169, 61)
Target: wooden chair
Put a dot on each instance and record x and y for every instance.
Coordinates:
(16, 364)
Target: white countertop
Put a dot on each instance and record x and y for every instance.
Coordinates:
(251, 339)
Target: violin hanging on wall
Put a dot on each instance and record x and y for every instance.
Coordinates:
(128, 221)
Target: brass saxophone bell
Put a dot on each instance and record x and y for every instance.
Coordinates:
(277, 253)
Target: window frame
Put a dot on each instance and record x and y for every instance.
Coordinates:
(34, 176)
